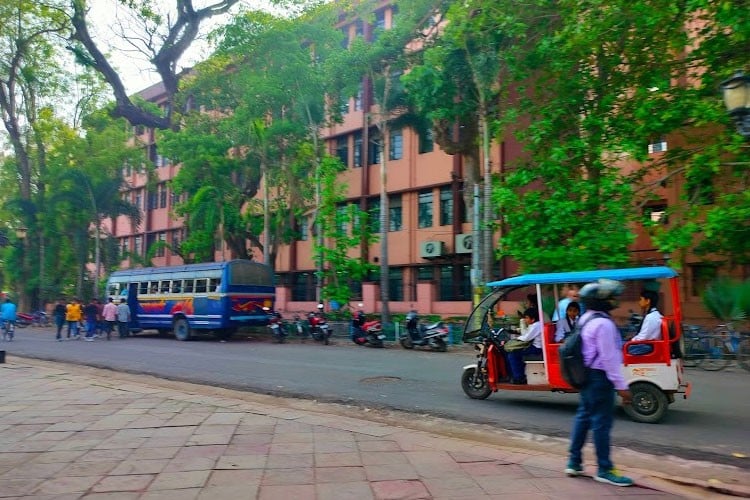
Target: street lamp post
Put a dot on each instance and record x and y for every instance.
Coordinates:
(736, 92)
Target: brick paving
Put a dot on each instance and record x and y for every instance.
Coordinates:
(68, 435)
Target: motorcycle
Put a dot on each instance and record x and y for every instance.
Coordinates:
(24, 319)
(367, 333)
(275, 323)
(319, 328)
(491, 367)
(433, 336)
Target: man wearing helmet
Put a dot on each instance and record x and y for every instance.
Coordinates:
(602, 354)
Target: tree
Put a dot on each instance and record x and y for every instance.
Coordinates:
(161, 35)
(377, 63)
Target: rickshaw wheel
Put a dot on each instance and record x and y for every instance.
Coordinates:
(475, 388)
(649, 403)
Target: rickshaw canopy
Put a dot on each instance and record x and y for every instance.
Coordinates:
(634, 273)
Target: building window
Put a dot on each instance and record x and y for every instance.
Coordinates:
(124, 247)
(342, 216)
(176, 238)
(396, 284)
(344, 105)
(373, 211)
(424, 210)
(656, 214)
(161, 240)
(304, 230)
(446, 206)
(396, 146)
(175, 198)
(425, 273)
(358, 99)
(342, 149)
(658, 145)
(162, 195)
(303, 286)
(702, 275)
(454, 283)
(138, 199)
(152, 200)
(374, 150)
(359, 28)
(395, 213)
(138, 246)
(358, 149)
(426, 142)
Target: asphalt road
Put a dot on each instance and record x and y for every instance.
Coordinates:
(712, 425)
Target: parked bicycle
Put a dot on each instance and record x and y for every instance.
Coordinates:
(714, 351)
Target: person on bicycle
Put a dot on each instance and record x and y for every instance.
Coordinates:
(8, 317)
(650, 325)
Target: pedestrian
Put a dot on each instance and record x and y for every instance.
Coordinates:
(99, 318)
(91, 315)
(109, 314)
(8, 318)
(59, 314)
(123, 318)
(602, 354)
(73, 315)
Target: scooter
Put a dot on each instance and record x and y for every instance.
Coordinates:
(319, 328)
(276, 325)
(434, 336)
(367, 333)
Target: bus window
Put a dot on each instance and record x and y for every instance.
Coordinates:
(153, 287)
(189, 285)
(114, 290)
(165, 286)
(200, 285)
(143, 288)
(214, 284)
(176, 286)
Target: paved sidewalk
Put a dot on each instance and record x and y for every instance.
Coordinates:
(65, 434)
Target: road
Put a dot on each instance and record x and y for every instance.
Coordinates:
(712, 425)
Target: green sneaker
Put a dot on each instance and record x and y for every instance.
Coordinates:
(613, 478)
(573, 470)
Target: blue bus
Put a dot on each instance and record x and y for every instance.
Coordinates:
(216, 297)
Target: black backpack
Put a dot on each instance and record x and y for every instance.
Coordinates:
(573, 370)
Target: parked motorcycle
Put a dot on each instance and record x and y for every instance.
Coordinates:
(24, 319)
(319, 328)
(276, 325)
(367, 333)
(433, 336)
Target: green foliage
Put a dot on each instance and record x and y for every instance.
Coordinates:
(728, 300)
(344, 228)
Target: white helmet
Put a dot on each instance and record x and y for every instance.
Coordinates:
(320, 305)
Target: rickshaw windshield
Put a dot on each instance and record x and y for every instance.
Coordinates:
(477, 321)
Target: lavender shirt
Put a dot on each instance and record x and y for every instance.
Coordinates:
(600, 335)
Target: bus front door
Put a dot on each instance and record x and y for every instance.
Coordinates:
(135, 325)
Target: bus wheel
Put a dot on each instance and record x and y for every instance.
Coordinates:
(649, 403)
(181, 329)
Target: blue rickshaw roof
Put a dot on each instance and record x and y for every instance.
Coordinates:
(633, 273)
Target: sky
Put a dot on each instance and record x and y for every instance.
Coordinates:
(117, 33)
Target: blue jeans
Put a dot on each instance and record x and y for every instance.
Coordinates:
(73, 327)
(595, 412)
(517, 365)
(90, 328)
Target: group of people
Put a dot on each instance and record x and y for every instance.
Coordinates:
(602, 353)
(93, 317)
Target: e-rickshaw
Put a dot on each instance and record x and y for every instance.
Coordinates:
(654, 378)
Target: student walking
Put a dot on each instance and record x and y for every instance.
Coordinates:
(73, 315)
(109, 315)
(58, 314)
(123, 319)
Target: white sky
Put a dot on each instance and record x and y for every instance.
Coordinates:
(120, 37)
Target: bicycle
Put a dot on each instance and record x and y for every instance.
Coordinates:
(715, 351)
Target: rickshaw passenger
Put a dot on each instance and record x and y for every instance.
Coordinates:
(531, 302)
(566, 325)
(533, 334)
(650, 326)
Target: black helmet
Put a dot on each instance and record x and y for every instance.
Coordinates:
(601, 295)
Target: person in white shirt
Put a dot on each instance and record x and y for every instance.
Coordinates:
(651, 324)
(533, 334)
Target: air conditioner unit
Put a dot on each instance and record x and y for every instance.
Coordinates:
(431, 249)
(464, 243)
